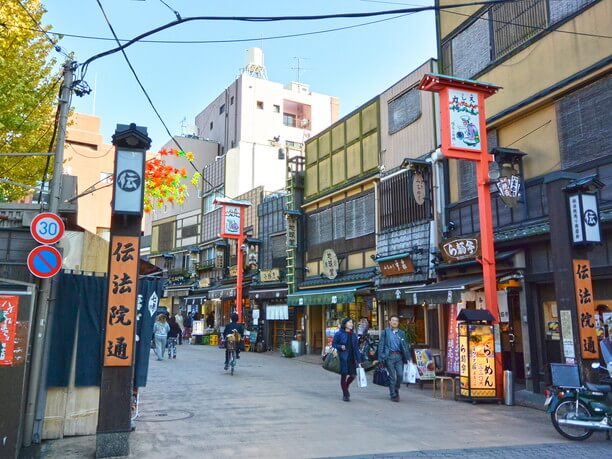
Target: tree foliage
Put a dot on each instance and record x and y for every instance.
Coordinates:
(29, 85)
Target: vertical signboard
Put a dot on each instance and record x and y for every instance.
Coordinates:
(129, 182)
(482, 361)
(122, 291)
(230, 221)
(464, 373)
(464, 119)
(8, 327)
(586, 309)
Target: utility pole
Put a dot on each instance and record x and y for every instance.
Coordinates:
(37, 391)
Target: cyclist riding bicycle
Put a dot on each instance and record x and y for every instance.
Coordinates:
(231, 328)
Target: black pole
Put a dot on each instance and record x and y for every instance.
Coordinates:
(114, 416)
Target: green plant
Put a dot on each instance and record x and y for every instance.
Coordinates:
(286, 351)
(411, 332)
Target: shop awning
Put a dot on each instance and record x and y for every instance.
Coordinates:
(446, 291)
(331, 295)
(268, 294)
(277, 312)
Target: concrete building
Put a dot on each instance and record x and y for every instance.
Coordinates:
(253, 119)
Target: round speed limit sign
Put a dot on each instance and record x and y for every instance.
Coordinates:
(47, 228)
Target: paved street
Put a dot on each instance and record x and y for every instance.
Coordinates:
(275, 407)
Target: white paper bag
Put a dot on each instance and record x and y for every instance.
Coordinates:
(410, 373)
(362, 381)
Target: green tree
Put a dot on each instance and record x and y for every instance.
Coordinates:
(29, 85)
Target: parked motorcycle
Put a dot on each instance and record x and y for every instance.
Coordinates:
(577, 410)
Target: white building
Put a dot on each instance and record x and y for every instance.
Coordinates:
(253, 118)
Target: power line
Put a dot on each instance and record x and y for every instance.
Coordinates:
(176, 13)
(42, 30)
(284, 18)
(144, 90)
(232, 40)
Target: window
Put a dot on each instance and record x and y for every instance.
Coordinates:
(222, 109)
(189, 231)
(289, 120)
(186, 261)
(208, 201)
(165, 238)
(260, 105)
(276, 108)
(211, 125)
(404, 110)
(232, 100)
(514, 24)
(471, 48)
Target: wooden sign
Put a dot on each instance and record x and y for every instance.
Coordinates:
(269, 275)
(395, 267)
(330, 264)
(586, 309)
(460, 248)
(8, 327)
(121, 306)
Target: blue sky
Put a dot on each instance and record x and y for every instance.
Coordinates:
(354, 65)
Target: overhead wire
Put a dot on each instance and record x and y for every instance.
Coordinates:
(138, 38)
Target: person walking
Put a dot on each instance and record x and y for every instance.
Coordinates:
(188, 327)
(160, 333)
(394, 352)
(346, 343)
(173, 337)
(179, 320)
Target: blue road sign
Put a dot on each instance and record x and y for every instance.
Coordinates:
(44, 261)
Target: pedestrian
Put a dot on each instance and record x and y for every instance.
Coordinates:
(210, 320)
(179, 320)
(231, 328)
(188, 327)
(173, 336)
(394, 353)
(160, 333)
(346, 343)
(363, 327)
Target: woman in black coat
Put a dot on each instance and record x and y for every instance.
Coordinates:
(347, 345)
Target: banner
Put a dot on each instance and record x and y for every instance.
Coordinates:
(8, 325)
(586, 309)
(452, 343)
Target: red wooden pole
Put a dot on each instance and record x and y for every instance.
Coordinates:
(489, 273)
(239, 266)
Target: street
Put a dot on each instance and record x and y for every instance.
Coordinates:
(276, 407)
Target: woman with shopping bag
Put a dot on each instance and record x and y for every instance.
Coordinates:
(347, 345)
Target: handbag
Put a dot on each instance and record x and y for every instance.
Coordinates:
(381, 377)
(362, 381)
(332, 362)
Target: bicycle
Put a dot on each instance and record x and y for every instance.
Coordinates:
(231, 344)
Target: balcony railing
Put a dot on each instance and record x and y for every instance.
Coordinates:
(204, 265)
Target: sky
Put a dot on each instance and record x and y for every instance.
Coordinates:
(182, 79)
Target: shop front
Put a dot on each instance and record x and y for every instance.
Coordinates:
(325, 308)
(276, 323)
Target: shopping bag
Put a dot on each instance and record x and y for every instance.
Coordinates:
(410, 373)
(362, 380)
(332, 362)
(381, 377)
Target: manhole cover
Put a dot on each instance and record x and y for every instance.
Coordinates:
(164, 416)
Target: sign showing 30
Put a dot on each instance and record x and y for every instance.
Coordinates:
(47, 228)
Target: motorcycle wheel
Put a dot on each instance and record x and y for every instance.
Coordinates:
(567, 410)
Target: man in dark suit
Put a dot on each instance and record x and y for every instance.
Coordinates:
(394, 352)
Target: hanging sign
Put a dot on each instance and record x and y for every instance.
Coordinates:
(330, 264)
(47, 228)
(128, 194)
(230, 218)
(291, 232)
(8, 327)
(460, 248)
(269, 275)
(122, 291)
(586, 309)
(584, 219)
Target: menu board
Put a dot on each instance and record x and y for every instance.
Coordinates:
(482, 360)
(425, 364)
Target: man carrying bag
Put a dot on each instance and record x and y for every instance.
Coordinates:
(394, 352)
